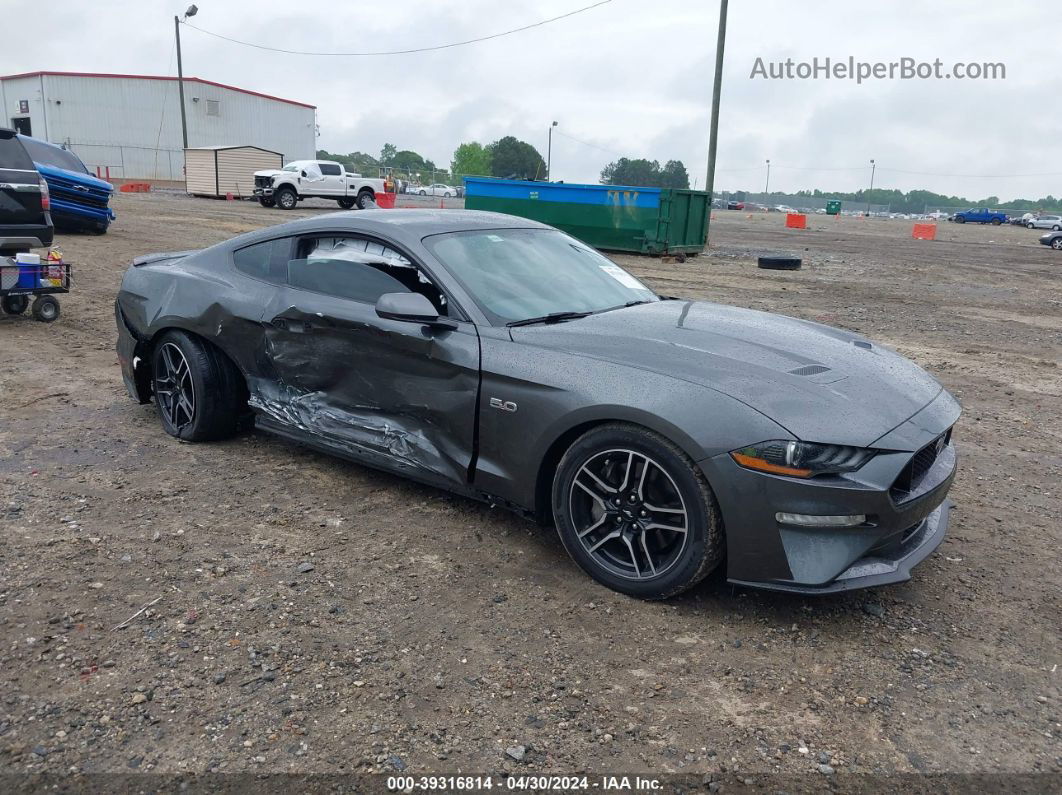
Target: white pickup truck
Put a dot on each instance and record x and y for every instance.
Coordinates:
(314, 179)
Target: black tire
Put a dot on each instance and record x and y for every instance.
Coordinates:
(423, 193)
(346, 204)
(45, 308)
(218, 395)
(779, 263)
(286, 198)
(14, 304)
(267, 201)
(366, 200)
(996, 222)
(99, 229)
(959, 219)
(1056, 228)
(685, 558)
(1029, 225)
(1056, 244)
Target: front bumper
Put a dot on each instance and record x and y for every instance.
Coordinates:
(901, 529)
(265, 193)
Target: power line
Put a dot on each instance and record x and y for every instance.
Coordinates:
(408, 51)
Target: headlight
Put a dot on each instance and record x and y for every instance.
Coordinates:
(801, 459)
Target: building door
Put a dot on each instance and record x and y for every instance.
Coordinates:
(22, 126)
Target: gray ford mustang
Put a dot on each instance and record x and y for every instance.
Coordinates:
(501, 359)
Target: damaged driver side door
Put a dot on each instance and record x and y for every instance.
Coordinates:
(393, 394)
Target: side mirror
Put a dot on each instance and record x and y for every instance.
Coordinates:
(304, 172)
(410, 307)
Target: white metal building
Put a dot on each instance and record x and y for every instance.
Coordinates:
(129, 126)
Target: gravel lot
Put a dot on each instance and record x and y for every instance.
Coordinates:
(310, 615)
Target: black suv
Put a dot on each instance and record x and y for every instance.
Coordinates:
(25, 220)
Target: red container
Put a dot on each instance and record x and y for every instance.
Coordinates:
(386, 201)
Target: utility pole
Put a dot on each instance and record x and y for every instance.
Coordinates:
(713, 131)
(549, 150)
(191, 12)
(767, 185)
(873, 166)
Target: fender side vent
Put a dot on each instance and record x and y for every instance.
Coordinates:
(810, 369)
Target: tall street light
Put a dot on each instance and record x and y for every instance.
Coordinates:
(873, 166)
(191, 12)
(713, 130)
(768, 183)
(549, 150)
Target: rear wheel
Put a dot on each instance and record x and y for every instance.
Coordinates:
(14, 304)
(366, 199)
(1056, 228)
(45, 308)
(996, 222)
(286, 198)
(1029, 225)
(636, 513)
(199, 393)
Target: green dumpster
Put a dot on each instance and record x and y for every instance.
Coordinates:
(613, 217)
(833, 207)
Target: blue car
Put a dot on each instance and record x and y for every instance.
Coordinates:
(79, 200)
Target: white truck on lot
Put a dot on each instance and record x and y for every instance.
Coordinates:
(314, 179)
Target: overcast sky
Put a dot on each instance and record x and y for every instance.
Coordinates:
(632, 77)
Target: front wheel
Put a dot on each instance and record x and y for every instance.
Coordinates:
(45, 308)
(959, 219)
(286, 198)
(267, 201)
(1056, 228)
(636, 513)
(1056, 244)
(199, 393)
(1029, 225)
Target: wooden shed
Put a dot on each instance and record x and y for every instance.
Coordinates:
(218, 170)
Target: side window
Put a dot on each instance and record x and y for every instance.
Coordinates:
(266, 261)
(358, 269)
(331, 169)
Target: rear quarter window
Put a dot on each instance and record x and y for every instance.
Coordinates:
(267, 261)
(13, 155)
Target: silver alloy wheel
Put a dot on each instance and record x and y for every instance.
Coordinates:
(173, 387)
(628, 514)
(286, 199)
(1057, 243)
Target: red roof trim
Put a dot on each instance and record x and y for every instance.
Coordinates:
(160, 77)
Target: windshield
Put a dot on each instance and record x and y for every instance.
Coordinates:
(54, 156)
(517, 274)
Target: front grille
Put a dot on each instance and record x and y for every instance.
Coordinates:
(263, 182)
(79, 194)
(911, 475)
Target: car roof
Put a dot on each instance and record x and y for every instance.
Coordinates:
(403, 225)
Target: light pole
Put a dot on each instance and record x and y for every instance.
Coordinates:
(768, 183)
(549, 150)
(872, 168)
(191, 12)
(713, 129)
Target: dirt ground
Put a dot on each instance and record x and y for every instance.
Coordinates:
(434, 634)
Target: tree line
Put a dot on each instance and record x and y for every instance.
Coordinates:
(914, 201)
(508, 158)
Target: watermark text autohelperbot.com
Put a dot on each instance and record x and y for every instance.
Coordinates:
(851, 69)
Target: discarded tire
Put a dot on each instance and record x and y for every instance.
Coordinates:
(780, 263)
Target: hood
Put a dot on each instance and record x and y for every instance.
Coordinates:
(820, 383)
(271, 172)
(79, 177)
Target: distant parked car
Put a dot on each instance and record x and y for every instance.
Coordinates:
(733, 205)
(1052, 239)
(438, 189)
(980, 215)
(1045, 222)
(1021, 220)
(79, 200)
